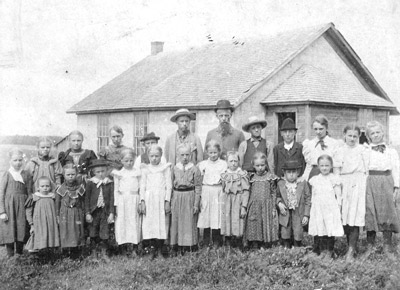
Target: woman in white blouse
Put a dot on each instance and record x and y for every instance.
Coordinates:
(382, 188)
(321, 144)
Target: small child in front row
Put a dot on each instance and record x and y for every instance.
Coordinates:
(325, 218)
(155, 196)
(211, 195)
(126, 200)
(261, 226)
(186, 178)
(70, 203)
(235, 186)
(99, 207)
(41, 216)
(293, 198)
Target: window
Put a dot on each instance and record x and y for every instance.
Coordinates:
(103, 124)
(193, 124)
(139, 130)
(281, 117)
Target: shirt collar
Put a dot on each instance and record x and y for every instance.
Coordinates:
(288, 146)
(253, 139)
(181, 167)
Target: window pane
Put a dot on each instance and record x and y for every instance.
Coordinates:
(140, 129)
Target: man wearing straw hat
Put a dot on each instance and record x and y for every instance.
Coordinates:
(182, 118)
(228, 137)
(256, 143)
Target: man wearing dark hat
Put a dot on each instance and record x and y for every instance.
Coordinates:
(182, 118)
(228, 137)
(255, 143)
(147, 140)
(289, 149)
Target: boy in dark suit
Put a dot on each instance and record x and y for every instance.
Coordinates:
(293, 198)
(99, 206)
(288, 149)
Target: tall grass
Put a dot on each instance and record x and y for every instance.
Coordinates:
(275, 268)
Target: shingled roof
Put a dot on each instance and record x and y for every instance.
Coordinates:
(315, 85)
(198, 77)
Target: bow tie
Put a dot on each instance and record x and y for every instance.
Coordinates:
(322, 143)
(380, 148)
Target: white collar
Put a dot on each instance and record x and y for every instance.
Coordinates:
(288, 146)
(16, 174)
(99, 182)
(181, 167)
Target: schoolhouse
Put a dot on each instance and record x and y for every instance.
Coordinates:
(297, 74)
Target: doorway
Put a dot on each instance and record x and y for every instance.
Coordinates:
(281, 117)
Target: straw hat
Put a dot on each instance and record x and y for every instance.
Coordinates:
(252, 121)
(182, 112)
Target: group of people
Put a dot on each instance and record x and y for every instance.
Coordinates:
(237, 192)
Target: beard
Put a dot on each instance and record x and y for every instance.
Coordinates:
(225, 128)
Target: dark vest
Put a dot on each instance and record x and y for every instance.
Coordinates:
(251, 150)
(144, 158)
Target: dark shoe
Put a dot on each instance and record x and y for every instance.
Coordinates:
(297, 244)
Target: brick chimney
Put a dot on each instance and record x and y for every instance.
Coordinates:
(156, 47)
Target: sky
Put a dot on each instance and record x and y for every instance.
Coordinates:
(55, 53)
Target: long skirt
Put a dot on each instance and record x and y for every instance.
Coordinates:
(183, 222)
(45, 226)
(15, 229)
(232, 224)
(381, 212)
(71, 227)
(353, 196)
(127, 221)
(211, 207)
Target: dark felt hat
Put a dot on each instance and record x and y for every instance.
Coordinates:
(291, 164)
(150, 136)
(98, 163)
(223, 105)
(182, 112)
(288, 124)
(252, 121)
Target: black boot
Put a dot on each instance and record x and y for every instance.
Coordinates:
(371, 236)
(10, 250)
(216, 238)
(330, 244)
(286, 243)
(317, 245)
(297, 243)
(19, 247)
(353, 235)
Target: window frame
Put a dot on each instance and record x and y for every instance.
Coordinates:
(103, 131)
(139, 132)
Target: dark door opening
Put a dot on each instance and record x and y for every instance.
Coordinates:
(282, 116)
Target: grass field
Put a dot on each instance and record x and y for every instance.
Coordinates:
(275, 268)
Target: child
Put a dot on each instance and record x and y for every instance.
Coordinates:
(235, 186)
(256, 143)
(41, 216)
(99, 207)
(45, 165)
(261, 220)
(382, 188)
(148, 140)
(76, 155)
(294, 202)
(15, 188)
(126, 199)
(112, 153)
(69, 210)
(211, 195)
(325, 218)
(351, 163)
(155, 196)
(288, 149)
(186, 178)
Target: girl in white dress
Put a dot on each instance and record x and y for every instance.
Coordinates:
(155, 196)
(126, 200)
(325, 219)
(211, 195)
(351, 163)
